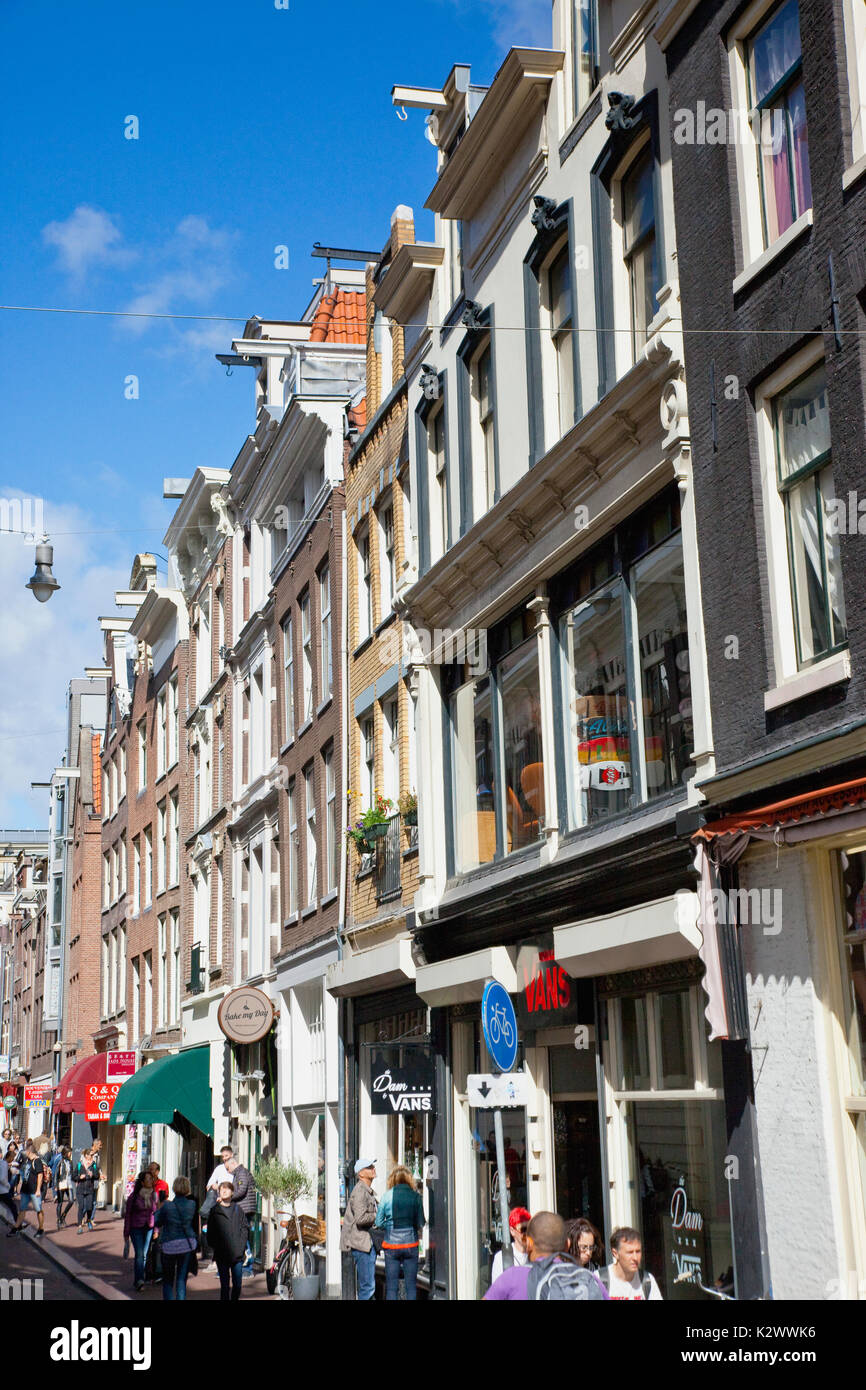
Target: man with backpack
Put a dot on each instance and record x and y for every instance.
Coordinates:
(33, 1179)
(624, 1278)
(551, 1275)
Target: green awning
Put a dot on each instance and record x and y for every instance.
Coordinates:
(179, 1084)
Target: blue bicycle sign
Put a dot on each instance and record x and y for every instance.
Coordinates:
(499, 1025)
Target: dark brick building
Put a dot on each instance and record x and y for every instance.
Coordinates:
(769, 176)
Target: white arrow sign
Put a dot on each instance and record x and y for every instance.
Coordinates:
(492, 1092)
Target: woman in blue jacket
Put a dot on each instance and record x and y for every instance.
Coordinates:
(178, 1239)
(401, 1216)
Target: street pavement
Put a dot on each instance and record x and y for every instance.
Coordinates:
(23, 1259)
(98, 1254)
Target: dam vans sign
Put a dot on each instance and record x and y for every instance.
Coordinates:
(401, 1087)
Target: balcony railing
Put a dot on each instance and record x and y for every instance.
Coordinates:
(388, 860)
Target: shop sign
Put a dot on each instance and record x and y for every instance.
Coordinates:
(119, 1066)
(399, 1087)
(686, 1235)
(246, 1015)
(131, 1158)
(548, 994)
(100, 1100)
(5, 1061)
(10, 1102)
(37, 1096)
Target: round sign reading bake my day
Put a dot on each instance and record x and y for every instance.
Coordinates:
(245, 1015)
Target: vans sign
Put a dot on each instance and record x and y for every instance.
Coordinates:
(401, 1087)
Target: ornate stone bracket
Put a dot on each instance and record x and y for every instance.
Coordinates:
(619, 116)
(429, 382)
(542, 217)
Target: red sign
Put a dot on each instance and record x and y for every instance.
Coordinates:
(34, 1096)
(119, 1066)
(100, 1100)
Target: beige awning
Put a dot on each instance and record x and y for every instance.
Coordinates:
(380, 967)
(648, 934)
(461, 979)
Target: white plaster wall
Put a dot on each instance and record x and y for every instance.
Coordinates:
(793, 1089)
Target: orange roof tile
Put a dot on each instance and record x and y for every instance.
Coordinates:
(340, 318)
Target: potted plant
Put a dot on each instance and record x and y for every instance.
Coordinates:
(372, 825)
(289, 1183)
(408, 804)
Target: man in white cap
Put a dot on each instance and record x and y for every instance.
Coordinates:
(357, 1223)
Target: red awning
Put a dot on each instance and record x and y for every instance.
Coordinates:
(796, 808)
(70, 1097)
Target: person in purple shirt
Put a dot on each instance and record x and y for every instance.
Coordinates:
(545, 1236)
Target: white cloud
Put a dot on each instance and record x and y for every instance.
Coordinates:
(89, 237)
(186, 273)
(46, 645)
(514, 22)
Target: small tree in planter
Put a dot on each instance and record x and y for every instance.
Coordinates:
(288, 1183)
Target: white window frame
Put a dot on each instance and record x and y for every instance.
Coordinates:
(312, 884)
(307, 656)
(854, 16)
(391, 746)
(174, 984)
(162, 957)
(148, 992)
(174, 838)
(624, 351)
(365, 582)
(782, 618)
(326, 654)
(437, 466)
(367, 727)
(288, 678)
(141, 730)
(747, 151)
(387, 565)
(122, 771)
(148, 866)
(162, 846)
(330, 874)
(294, 853)
(161, 732)
(136, 876)
(173, 722)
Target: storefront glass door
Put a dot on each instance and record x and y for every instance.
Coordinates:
(577, 1159)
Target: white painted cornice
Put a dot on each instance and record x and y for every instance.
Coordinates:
(409, 278)
(517, 92)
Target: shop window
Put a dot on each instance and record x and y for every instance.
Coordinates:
(668, 1134)
(627, 691)
(399, 1138)
(497, 760)
(855, 47)
(560, 300)
(852, 949)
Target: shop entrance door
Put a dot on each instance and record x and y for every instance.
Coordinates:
(577, 1159)
(576, 1136)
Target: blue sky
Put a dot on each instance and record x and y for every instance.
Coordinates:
(258, 127)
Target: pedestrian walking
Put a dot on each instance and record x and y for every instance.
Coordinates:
(160, 1185)
(551, 1272)
(518, 1224)
(138, 1223)
(5, 1141)
(401, 1217)
(227, 1232)
(624, 1278)
(358, 1222)
(244, 1193)
(63, 1190)
(220, 1174)
(584, 1242)
(6, 1196)
(34, 1179)
(86, 1178)
(175, 1222)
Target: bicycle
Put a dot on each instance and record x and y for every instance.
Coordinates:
(499, 1025)
(289, 1263)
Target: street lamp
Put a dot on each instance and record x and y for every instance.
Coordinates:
(42, 581)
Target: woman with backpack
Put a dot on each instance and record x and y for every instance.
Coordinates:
(401, 1214)
(64, 1194)
(6, 1181)
(86, 1179)
(584, 1242)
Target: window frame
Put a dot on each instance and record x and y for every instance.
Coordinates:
(783, 624)
(311, 866)
(427, 475)
(363, 548)
(326, 654)
(554, 235)
(288, 630)
(307, 675)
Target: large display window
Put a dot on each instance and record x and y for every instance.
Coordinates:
(666, 1118)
